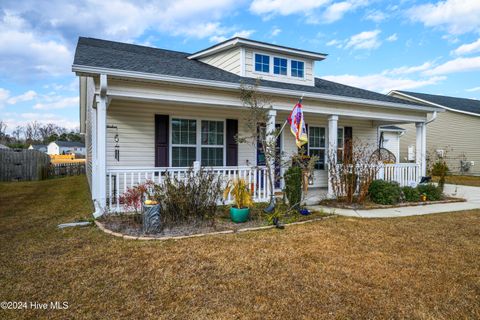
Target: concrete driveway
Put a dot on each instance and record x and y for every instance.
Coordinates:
(471, 194)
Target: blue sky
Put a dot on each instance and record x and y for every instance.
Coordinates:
(425, 46)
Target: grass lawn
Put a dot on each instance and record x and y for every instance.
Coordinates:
(419, 267)
(461, 180)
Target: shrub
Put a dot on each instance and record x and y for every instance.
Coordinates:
(411, 194)
(384, 192)
(293, 186)
(242, 197)
(188, 200)
(439, 168)
(133, 197)
(432, 192)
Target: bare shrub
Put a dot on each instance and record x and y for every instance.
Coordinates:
(354, 172)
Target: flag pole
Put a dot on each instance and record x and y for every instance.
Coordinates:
(286, 121)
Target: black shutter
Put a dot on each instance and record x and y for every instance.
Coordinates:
(161, 140)
(232, 145)
(348, 145)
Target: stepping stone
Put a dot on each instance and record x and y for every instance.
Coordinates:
(74, 224)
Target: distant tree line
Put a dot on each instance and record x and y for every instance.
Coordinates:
(36, 133)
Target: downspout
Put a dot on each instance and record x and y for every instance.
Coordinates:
(434, 117)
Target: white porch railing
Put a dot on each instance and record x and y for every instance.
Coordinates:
(405, 174)
(119, 179)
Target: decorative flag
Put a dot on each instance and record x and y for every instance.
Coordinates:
(297, 125)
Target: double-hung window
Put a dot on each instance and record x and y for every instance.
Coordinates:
(184, 142)
(340, 145)
(212, 143)
(316, 145)
(262, 63)
(280, 66)
(297, 68)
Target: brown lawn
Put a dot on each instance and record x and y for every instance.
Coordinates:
(421, 267)
(462, 180)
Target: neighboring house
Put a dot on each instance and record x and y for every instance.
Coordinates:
(390, 139)
(454, 133)
(66, 147)
(2, 146)
(147, 111)
(39, 147)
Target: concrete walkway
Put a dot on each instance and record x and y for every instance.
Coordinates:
(471, 194)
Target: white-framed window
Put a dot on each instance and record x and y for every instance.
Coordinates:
(262, 63)
(297, 68)
(280, 66)
(317, 145)
(184, 142)
(197, 140)
(340, 144)
(212, 140)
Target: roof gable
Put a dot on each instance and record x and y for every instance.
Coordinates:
(454, 103)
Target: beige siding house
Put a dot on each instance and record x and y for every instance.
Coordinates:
(455, 132)
(149, 112)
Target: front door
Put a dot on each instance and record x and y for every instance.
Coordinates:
(261, 156)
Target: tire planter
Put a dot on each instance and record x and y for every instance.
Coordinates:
(239, 215)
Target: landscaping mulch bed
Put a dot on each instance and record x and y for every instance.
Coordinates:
(368, 205)
(130, 224)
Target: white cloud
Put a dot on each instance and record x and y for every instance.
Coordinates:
(13, 119)
(473, 89)
(382, 83)
(4, 95)
(336, 11)
(27, 96)
(468, 48)
(376, 16)
(454, 16)
(334, 42)
(285, 7)
(57, 103)
(409, 70)
(392, 38)
(241, 34)
(24, 54)
(456, 65)
(275, 32)
(364, 40)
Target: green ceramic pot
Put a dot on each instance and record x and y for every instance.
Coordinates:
(239, 215)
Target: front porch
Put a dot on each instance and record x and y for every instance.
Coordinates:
(119, 179)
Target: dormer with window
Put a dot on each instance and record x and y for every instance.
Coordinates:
(254, 59)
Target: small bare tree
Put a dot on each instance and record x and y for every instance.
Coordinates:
(355, 170)
(256, 132)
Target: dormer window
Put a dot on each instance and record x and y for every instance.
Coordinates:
(297, 69)
(280, 66)
(262, 63)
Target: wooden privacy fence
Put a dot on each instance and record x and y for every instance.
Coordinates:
(66, 169)
(20, 165)
(26, 165)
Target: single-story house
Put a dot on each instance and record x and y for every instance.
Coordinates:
(146, 111)
(39, 147)
(390, 139)
(454, 134)
(66, 147)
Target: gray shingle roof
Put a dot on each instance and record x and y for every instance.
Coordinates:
(123, 56)
(460, 104)
(70, 144)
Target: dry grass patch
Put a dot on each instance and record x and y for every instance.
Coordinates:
(461, 180)
(420, 267)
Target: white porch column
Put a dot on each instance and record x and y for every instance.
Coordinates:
(420, 147)
(94, 152)
(100, 202)
(332, 148)
(270, 132)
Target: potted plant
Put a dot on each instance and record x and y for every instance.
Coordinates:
(242, 200)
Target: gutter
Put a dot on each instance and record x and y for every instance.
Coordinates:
(222, 85)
